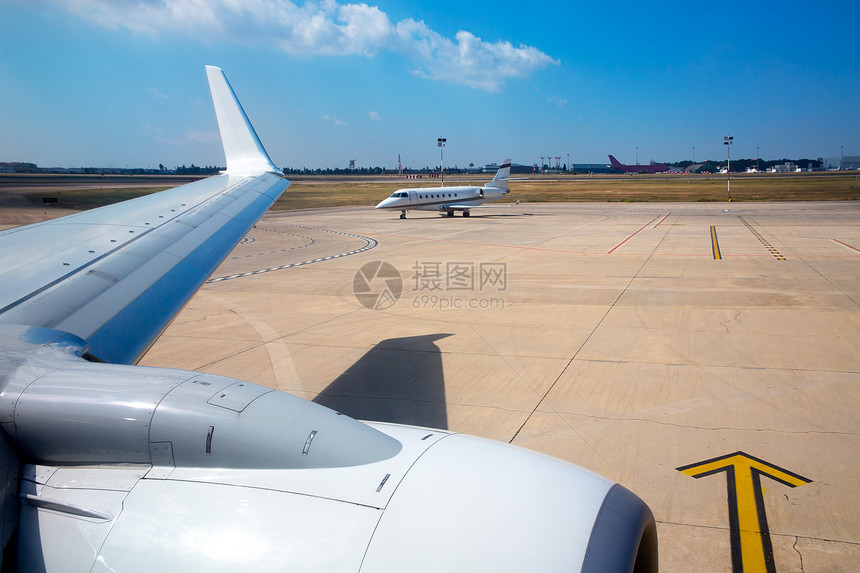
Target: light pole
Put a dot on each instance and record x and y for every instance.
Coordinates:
(727, 141)
(637, 156)
(441, 143)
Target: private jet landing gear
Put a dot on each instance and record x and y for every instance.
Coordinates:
(403, 214)
(450, 213)
(465, 212)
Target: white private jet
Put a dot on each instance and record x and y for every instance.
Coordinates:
(110, 467)
(449, 199)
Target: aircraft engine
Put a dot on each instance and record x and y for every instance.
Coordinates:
(143, 469)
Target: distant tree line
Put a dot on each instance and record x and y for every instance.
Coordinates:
(194, 170)
(339, 171)
(406, 170)
(738, 165)
(19, 167)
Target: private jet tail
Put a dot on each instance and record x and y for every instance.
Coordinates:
(500, 181)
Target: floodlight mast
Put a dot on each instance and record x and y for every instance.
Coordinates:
(727, 141)
(441, 141)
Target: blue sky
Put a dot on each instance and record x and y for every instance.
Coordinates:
(121, 83)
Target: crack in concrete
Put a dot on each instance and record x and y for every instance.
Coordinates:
(772, 534)
(737, 318)
(799, 554)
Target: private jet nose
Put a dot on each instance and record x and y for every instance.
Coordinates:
(397, 199)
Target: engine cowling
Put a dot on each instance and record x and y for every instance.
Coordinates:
(490, 193)
(88, 413)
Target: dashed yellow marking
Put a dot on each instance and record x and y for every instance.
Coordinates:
(773, 250)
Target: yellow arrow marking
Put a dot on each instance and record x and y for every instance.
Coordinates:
(750, 538)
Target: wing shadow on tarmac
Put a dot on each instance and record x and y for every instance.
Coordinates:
(399, 380)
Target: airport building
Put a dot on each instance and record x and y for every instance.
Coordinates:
(784, 168)
(851, 163)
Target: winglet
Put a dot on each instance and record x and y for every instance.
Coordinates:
(242, 148)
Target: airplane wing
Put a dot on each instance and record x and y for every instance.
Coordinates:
(463, 206)
(110, 467)
(116, 276)
(457, 206)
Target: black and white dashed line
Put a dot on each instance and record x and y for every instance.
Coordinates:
(369, 243)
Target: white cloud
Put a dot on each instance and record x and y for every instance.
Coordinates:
(157, 94)
(374, 115)
(148, 16)
(322, 27)
(334, 120)
(560, 102)
(467, 59)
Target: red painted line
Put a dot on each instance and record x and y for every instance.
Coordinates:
(633, 235)
(846, 244)
(661, 220)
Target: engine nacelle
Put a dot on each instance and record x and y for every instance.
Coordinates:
(90, 413)
(490, 193)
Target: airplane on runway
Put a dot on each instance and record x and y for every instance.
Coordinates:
(449, 199)
(112, 467)
(652, 168)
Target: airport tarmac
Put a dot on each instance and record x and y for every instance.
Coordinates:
(649, 342)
